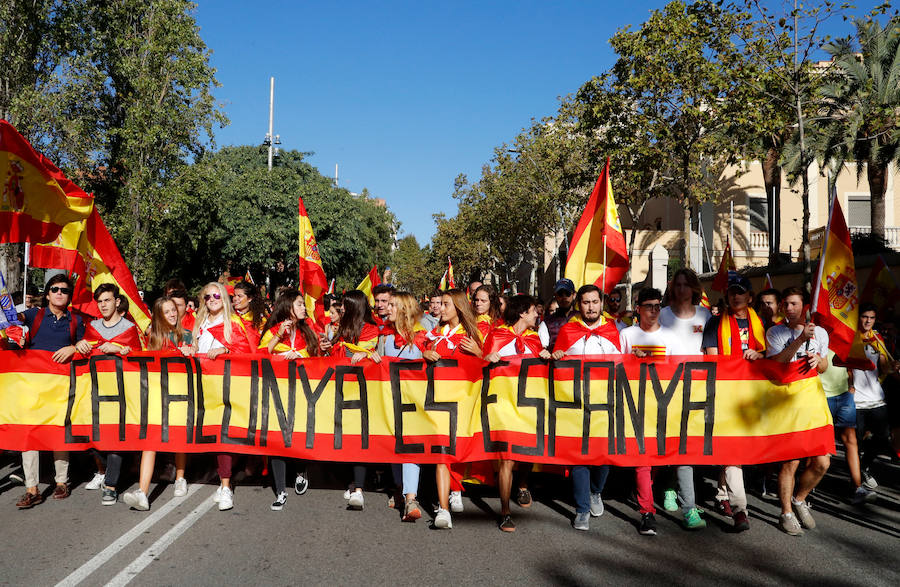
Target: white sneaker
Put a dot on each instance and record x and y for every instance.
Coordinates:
(136, 499)
(456, 504)
(218, 495)
(442, 519)
(96, 482)
(356, 500)
(347, 494)
(180, 487)
(226, 499)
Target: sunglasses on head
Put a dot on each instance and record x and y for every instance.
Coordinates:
(217, 296)
(58, 289)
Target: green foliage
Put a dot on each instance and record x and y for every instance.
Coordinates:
(410, 266)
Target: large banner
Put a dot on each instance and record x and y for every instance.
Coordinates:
(617, 410)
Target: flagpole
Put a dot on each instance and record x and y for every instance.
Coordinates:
(25, 272)
(603, 278)
(818, 286)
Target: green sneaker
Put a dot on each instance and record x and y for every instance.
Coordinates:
(670, 502)
(693, 521)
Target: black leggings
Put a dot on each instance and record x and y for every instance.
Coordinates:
(874, 420)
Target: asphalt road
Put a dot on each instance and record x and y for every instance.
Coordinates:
(315, 539)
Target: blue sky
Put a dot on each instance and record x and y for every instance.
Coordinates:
(404, 96)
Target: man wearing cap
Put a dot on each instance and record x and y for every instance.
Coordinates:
(549, 328)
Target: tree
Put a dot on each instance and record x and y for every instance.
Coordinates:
(863, 100)
(410, 267)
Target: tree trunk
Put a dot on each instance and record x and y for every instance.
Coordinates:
(805, 253)
(772, 181)
(877, 175)
(11, 266)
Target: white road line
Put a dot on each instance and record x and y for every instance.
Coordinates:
(83, 572)
(148, 556)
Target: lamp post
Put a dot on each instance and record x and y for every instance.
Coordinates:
(272, 140)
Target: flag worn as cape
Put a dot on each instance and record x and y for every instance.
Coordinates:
(598, 245)
(36, 198)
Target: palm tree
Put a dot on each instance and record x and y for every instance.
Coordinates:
(862, 107)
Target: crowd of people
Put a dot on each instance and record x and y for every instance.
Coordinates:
(865, 403)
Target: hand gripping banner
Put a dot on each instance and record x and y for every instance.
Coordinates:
(593, 410)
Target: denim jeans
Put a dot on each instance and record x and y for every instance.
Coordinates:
(585, 481)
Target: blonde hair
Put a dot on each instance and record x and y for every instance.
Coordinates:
(407, 315)
(203, 312)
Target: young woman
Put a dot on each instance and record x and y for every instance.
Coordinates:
(486, 304)
(516, 337)
(166, 334)
(249, 305)
(456, 334)
(288, 334)
(404, 338)
(356, 338)
(217, 331)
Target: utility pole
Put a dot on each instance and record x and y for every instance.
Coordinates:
(271, 139)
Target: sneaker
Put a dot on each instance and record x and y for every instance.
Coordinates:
(790, 524)
(136, 499)
(108, 496)
(442, 519)
(693, 521)
(411, 511)
(803, 514)
(670, 502)
(347, 494)
(724, 508)
(356, 500)
(16, 478)
(523, 498)
(596, 505)
(301, 484)
(226, 499)
(181, 487)
(279, 502)
(456, 504)
(648, 525)
(506, 524)
(217, 497)
(96, 482)
(862, 495)
(582, 521)
(869, 481)
(741, 523)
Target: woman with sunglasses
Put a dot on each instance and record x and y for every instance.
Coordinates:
(167, 335)
(486, 305)
(217, 331)
(457, 334)
(356, 338)
(289, 335)
(404, 338)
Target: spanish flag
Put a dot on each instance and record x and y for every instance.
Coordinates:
(720, 283)
(881, 288)
(836, 298)
(36, 198)
(370, 281)
(312, 276)
(598, 253)
(447, 281)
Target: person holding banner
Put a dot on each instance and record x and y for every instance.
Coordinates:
(55, 329)
(457, 333)
(217, 331)
(403, 337)
(488, 313)
(381, 296)
(288, 335)
(166, 334)
(250, 306)
(588, 333)
(516, 337)
(798, 340)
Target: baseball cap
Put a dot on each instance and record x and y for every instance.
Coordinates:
(738, 281)
(564, 285)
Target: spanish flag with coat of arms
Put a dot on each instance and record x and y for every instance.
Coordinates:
(312, 276)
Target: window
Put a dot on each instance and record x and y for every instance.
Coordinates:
(859, 210)
(759, 213)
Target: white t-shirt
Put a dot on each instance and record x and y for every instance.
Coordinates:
(656, 343)
(781, 335)
(688, 331)
(206, 341)
(592, 345)
(869, 393)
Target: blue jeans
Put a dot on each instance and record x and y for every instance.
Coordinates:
(585, 481)
(408, 474)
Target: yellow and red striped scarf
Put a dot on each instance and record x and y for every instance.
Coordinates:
(730, 335)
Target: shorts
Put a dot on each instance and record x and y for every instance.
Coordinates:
(843, 410)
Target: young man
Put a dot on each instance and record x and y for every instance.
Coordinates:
(111, 334)
(550, 326)
(54, 329)
(382, 295)
(798, 340)
(768, 307)
(587, 333)
(739, 333)
(432, 317)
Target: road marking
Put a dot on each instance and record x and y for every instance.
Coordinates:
(126, 575)
(83, 572)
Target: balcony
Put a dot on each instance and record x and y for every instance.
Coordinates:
(817, 236)
(759, 241)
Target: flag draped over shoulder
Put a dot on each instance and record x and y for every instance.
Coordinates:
(598, 246)
(312, 276)
(36, 198)
(881, 288)
(720, 283)
(368, 282)
(836, 299)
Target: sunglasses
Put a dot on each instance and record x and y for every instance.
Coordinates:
(212, 295)
(652, 307)
(57, 289)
